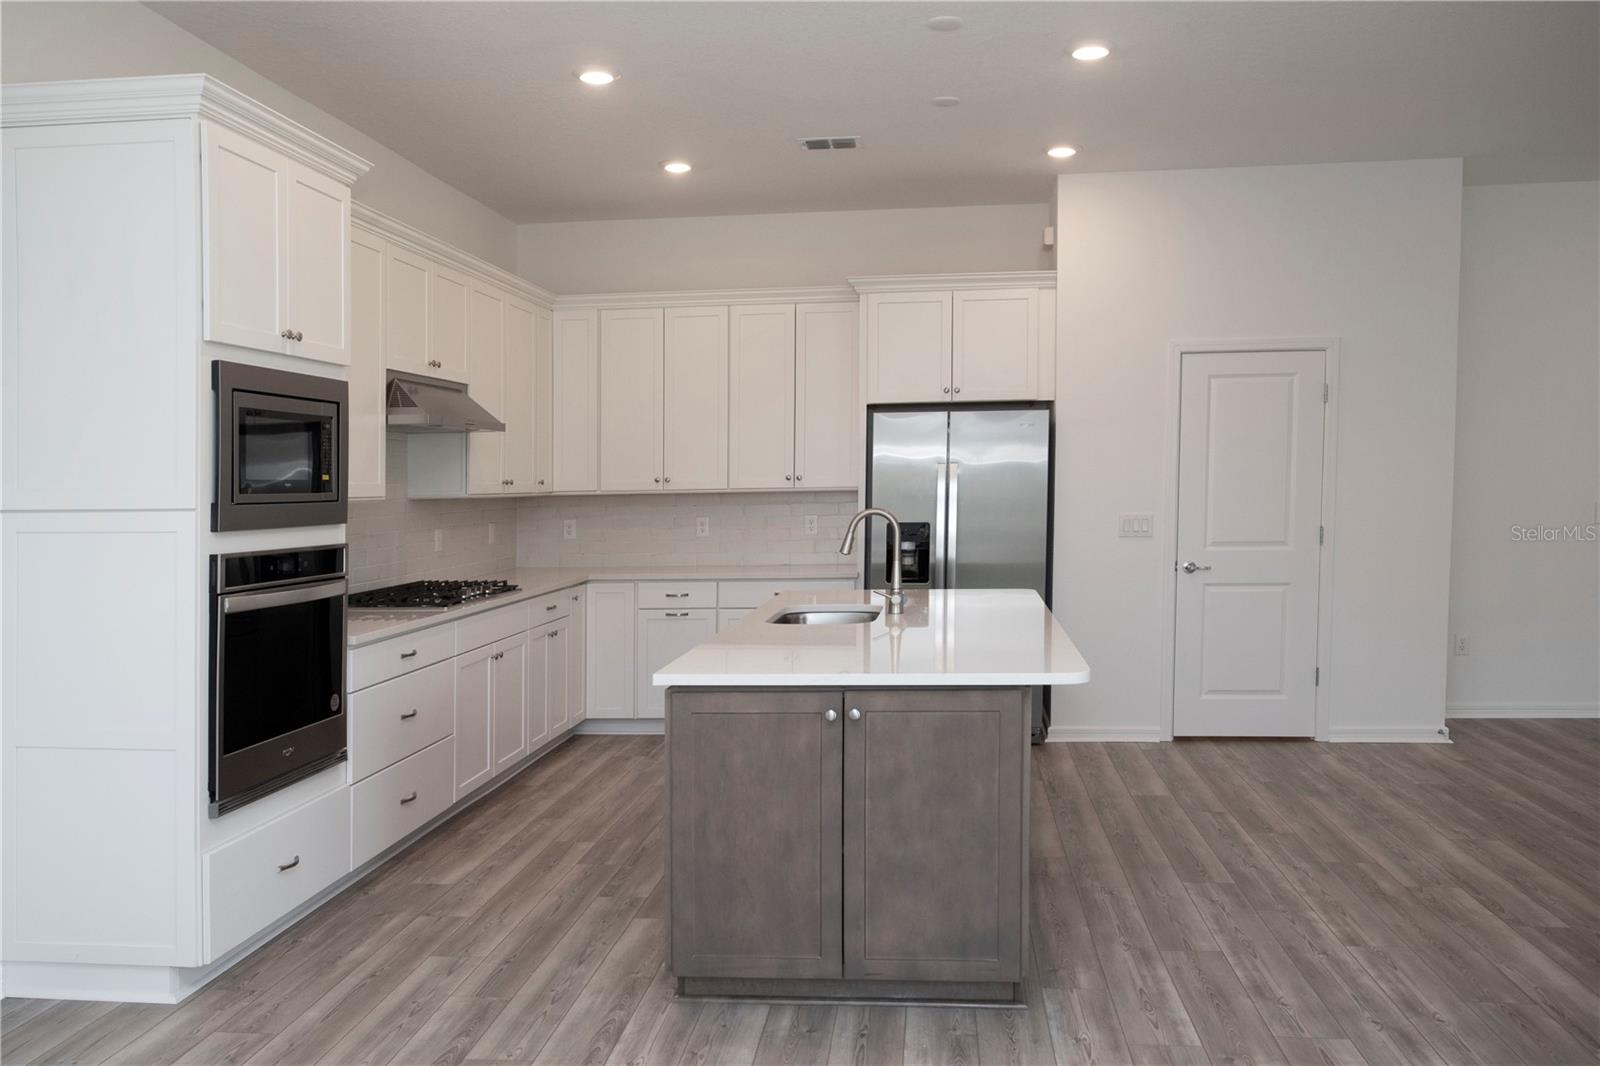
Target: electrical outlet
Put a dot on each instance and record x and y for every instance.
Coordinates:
(438, 541)
(1136, 525)
(702, 527)
(1461, 645)
(569, 529)
(811, 525)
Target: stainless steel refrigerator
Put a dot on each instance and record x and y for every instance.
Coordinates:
(972, 488)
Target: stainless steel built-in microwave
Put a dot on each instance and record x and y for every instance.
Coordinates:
(281, 441)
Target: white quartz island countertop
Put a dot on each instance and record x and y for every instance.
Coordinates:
(945, 638)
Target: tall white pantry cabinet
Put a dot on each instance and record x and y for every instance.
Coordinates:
(150, 226)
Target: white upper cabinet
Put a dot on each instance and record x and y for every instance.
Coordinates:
(447, 323)
(575, 401)
(630, 381)
(405, 312)
(519, 462)
(486, 372)
(761, 400)
(367, 413)
(825, 410)
(908, 347)
(995, 346)
(695, 398)
(275, 240)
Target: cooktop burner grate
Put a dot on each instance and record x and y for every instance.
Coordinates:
(427, 595)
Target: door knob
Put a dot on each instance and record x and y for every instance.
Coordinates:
(1191, 566)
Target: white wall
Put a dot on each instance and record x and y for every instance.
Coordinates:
(61, 41)
(1527, 452)
(1368, 253)
(768, 251)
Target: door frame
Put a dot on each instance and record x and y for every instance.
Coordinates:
(1167, 514)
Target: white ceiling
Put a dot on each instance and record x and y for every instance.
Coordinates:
(483, 94)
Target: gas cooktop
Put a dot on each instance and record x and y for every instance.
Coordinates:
(427, 595)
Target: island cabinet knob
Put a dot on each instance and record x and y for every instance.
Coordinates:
(855, 714)
(831, 715)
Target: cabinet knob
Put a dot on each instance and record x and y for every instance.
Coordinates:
(668, 480)
(541, 481)
(799, 477)
(287, 334)
(855, 714)
(553, 634)
(658, 481)
(958, 388)
(830, 715)
(299, 336)
(947, 388)
(788, 477)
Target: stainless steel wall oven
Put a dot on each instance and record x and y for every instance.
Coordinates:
(281, 441)
(277, 670)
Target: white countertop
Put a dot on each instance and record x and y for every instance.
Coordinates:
(362, 629)
(946, 637)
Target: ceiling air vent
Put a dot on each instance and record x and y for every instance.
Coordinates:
(822, 144)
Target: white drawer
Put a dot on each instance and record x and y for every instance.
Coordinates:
(400, 655)
(490, 626)
(677, 594)
(401, 716)
(394, 803)
(756, 593)
(257, 879)
(550, 607)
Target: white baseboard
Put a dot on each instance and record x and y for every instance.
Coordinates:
(1398, 735)
(89, 981)
(1522, 710)
(624, 726)
(1088, 734)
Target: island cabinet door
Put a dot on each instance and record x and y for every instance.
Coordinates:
(934, 831)
(754, 820)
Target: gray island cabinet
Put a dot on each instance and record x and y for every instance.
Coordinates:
(836, 831)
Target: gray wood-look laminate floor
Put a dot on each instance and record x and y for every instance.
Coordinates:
(1224, 901)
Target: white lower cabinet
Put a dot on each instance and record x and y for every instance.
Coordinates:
(474, 708)
(535, 690)
(557, 684)
(609, 638)
(394, 803)
(508, 675)
(577, 670)
(255, 880)
(399, 717)
(663, 636)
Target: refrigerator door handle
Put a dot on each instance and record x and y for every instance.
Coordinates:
(951, 551)
(936, 572)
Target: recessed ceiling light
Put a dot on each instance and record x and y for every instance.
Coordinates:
(676, 166)
(597, 76)
(1061, 151)
(944, 23)
(946, 101)
(1088, 53)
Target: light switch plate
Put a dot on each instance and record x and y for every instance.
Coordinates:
(811, 525)
(702, 526)
(1136, 525)
(569, 529)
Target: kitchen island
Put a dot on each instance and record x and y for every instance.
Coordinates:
(848, 796)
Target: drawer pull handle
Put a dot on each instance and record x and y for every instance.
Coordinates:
(412, 713)
(412, 654)
(291, 864)
(553, 634)
(551, 606)
(677, 614)
(677, 595)
(408, 799)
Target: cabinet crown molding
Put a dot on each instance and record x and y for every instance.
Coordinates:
(173, 96)
(392, 229)
(707, 298)
(1001, 279)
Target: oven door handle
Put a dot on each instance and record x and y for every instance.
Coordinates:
(257, 601)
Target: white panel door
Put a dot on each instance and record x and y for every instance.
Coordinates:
(541, 443)
(474, 705)
(447, 323)
(695, 398)
(486, 370)
(510, 663)
(995, 346)
(608, 647)
(536, 699)
(577, 668)
(368, 407)
(317, 238)
(1249, 510)
(557, 682)
(243, 224)
(575, 399)
(825, 382)
(761, 397)
(663, 636)
(631, 397)
(405, 311)
(523, 417)
(908, 347)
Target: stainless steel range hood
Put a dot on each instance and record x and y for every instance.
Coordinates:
(430, 405)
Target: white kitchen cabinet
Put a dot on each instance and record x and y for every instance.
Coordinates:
(275, 246)
(536, 698)
(908, 347)
(405, 311)
(610, 621)
(577, 669)
(695, 398)
(368, 411)
(557, 680)
(520, 451)
(826, 455)
(508, 670)
(474, 752)
(631, 384)
(538, 475)
(995, 345)
(486, 374)
(394, 803)
(761, 400)
(575, 402)
(447, 323)
(663, 636)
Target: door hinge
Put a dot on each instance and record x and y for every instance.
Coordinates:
(1322, 534)
(1317, 682)
(1324, 392)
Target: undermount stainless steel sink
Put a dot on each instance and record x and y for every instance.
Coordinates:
(825, 616)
